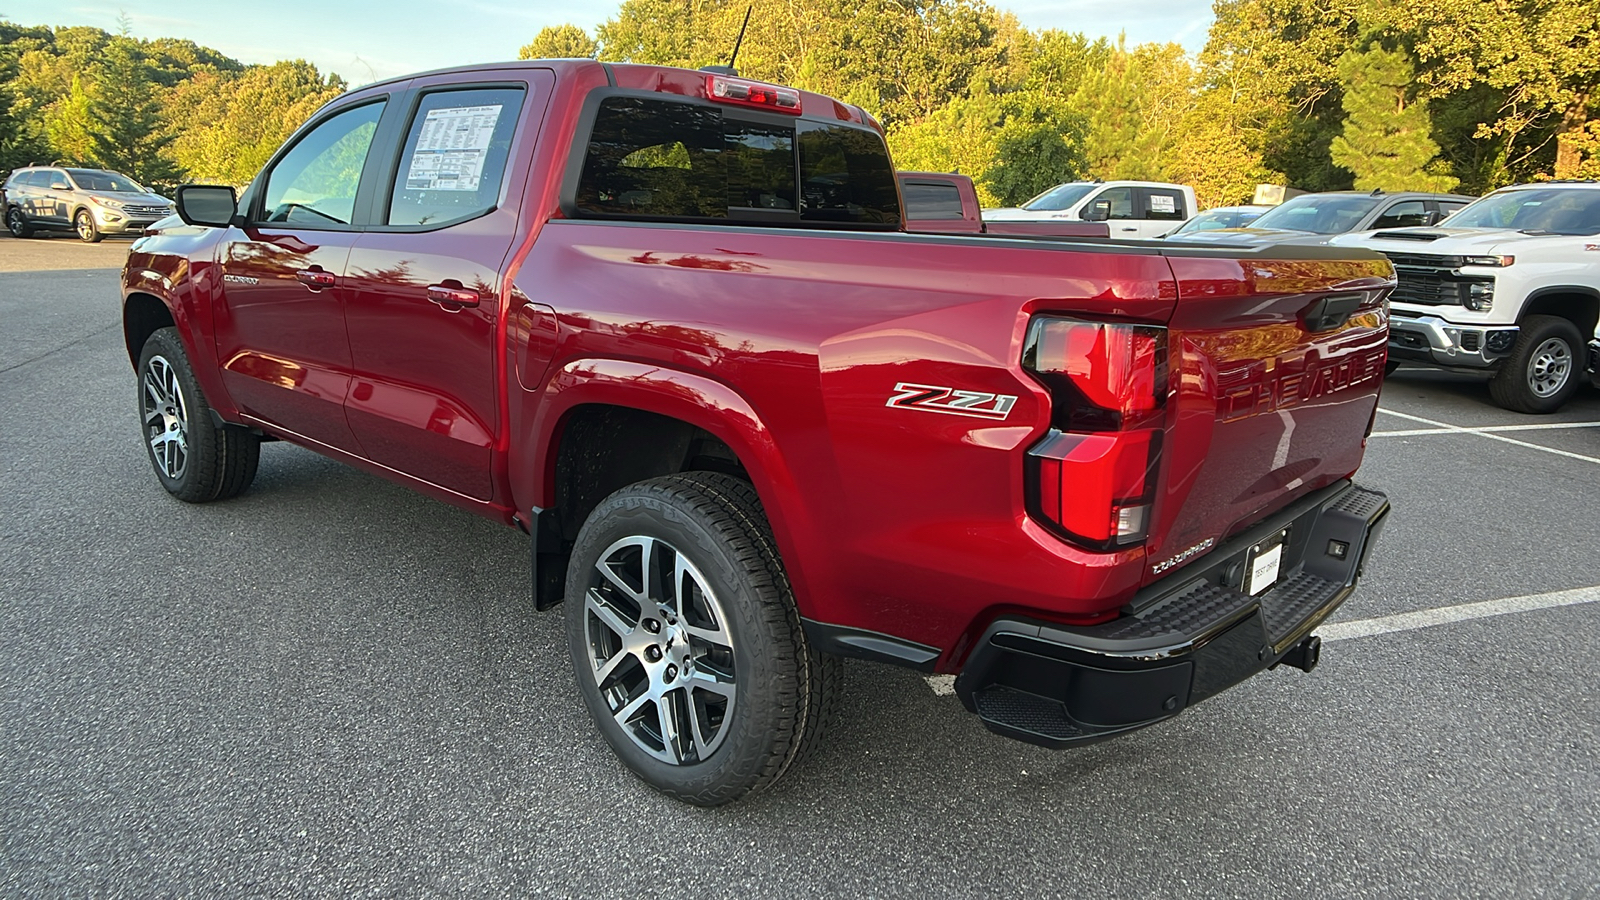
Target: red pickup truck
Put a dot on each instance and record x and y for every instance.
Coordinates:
(947, 203)
(670, 325)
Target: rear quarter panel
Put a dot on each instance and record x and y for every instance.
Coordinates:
(904, 521)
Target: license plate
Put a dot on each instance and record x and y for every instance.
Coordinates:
(1263, 562)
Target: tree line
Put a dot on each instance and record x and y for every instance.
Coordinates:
(1462, 95)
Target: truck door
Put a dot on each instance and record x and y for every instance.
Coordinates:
(426, 279)
(280, 323)
(1115, 207)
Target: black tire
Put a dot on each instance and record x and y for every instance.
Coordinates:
(17, 223)
(83, 224)
(205, 461)
(1544, 368)
(784, 692)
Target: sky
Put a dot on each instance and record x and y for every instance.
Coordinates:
(365, 41)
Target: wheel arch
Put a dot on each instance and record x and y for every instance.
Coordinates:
(1577, 304)
(143, 314)
(605, 424)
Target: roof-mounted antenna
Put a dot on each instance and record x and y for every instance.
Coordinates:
(729, 69)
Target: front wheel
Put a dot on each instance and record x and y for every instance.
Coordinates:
(17, 223)
(1543, 369)
(195, 458)
(88, 232)
(686, 641)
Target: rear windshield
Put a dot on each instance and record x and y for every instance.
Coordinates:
(1318, 213)
(96, 180)
(1060, 197)
(932, 200)
(1551, 211)
(670, 159)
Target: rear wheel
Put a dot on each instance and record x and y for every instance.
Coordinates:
(17, 223)
(194, 457)
(686, 641)
(1543, 369)
(88, 232)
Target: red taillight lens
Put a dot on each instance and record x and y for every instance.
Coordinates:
(753, 93)
(1093, 476)
(1101, 374)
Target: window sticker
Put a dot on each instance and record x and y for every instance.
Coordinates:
(452, 148)
(1163, 203)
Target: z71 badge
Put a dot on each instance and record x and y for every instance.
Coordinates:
(951, 402)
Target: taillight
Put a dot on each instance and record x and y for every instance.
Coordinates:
(753, 93)
(1093, 477)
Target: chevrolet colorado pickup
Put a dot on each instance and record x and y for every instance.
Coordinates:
(1508, 285)
(669, 324)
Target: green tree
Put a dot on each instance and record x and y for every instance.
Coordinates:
(245, 117)
(1386, 142)
(69, 125)
(1040, 145)
(560, 42)
(125, 114)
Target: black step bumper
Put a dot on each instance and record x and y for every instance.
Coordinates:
(1183, 639)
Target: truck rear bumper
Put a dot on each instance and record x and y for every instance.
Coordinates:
(1430, 339)
(1183, 639)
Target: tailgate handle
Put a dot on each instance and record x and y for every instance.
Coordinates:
(1331, 312)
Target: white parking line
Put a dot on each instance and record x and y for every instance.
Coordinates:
(1457, 429)
(1427, 618)
(1479, 429)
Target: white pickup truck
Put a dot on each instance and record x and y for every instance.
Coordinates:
(1131, 209)
(1510, 284)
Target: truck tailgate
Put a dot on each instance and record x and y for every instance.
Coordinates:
(1276, 364)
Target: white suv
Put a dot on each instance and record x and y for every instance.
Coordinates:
(1131, 209)
(1509, 284)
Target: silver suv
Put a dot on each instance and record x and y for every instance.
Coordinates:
(90, 202)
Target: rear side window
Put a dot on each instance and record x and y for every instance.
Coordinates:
(927, 200)
(845, 176)
(1164, 205)
(454, 158)
(666, 159)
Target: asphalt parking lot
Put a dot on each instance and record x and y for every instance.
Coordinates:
(334, 687)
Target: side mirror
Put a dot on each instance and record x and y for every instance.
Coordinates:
(1098, 211)
(1432, 218)
(207, 204)
(59, 186)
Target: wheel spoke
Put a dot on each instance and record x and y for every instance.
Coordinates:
(616, 580)
(667, 715)
(703, 682)
(718, 636)
(609, 667)
(651, 577)
(608, 616)
(156, 399)
(630, 709)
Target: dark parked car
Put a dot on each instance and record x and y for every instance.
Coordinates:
(90, 202)
(1220, 217)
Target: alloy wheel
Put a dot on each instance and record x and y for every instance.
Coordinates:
(660, 650)
(14, 222)
(166, 418)
(85, 226)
